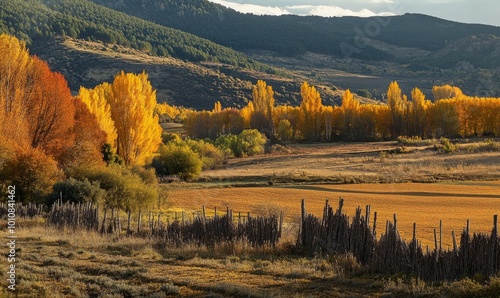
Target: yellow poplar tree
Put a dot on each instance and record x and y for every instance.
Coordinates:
(16, 88)
(397, 103)
(311, 110)
(263, 106)
(96, 101)
(350, 108)
(132, 103)
(418, 110)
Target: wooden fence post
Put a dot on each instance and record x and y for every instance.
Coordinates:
(494, 239)
(139, 222)
(455, 249)
(303, 221)
(440, 236)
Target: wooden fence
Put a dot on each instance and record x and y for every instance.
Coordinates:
(257, 231)
(74, 216)
(201, 230)
(23, 211)
(334, 233)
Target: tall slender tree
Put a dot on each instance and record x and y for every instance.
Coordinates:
(132, 104)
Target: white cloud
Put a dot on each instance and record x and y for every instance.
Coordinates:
(382, 1)
(332, 11)
(252, 8)
(316, 10)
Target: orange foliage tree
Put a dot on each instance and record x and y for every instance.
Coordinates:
(50, 111)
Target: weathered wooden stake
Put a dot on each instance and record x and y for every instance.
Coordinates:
(440, 236)
(435, 242)
(303, 220)
(128, 222)
(455, 249)
(375, 225)
(395, 224)
(281, 223)
(139, 217)
(367, 216)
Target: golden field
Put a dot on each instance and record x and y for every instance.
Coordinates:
(422, 203)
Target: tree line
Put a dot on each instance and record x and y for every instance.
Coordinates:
(451, 113)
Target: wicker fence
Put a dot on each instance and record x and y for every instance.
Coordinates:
(23, 211)
(334, 233)
(200, 230)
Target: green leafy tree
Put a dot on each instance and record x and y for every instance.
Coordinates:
(77, 191)
(177, 160)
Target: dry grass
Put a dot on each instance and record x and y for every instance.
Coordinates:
(362, 162)
(424, 204)
(63, 264)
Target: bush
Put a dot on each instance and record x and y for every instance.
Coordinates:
(73, 190)
(124, 188)
(230, 145)
(177, 160)
(488, 145)
(285, 131)
(416, 141)
(249, 142)
(464, 288)
(33, 173)
(210, 155)
(448, 146)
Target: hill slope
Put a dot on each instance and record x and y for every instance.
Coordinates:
(36, 20)
(296, 35)
(192, 84)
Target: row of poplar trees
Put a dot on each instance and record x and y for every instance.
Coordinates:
(451, 113)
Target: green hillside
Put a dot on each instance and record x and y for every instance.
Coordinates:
(294, 35)
(36, 20)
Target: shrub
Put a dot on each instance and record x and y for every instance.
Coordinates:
(448, 146)
(177, 160)
(285, 131)
(210, 155)
(33, 173)
(416, 141)
(253, 141)
(127, 189)
(230, 145)
(73, 190)
(249, 142)
(464, 288)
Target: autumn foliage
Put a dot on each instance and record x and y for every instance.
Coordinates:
(450, 114)
(46, 133)
(125, 111)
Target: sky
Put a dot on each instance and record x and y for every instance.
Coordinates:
(466, 11)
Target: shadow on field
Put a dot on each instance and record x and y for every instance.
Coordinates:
(408, 193)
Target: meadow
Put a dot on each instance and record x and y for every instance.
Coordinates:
(465, 186)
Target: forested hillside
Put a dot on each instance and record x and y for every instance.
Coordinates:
(294, 35)
(35, 20)
(287, 35)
